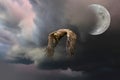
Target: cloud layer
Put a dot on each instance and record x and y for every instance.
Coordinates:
(30, 23)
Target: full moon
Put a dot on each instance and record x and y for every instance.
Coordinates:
(103, 19)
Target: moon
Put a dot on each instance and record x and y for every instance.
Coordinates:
(103, 19)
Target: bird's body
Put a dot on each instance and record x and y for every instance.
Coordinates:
(55, 37)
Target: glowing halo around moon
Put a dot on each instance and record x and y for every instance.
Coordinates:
(103, 19)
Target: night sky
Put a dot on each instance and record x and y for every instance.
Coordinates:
(25, 25)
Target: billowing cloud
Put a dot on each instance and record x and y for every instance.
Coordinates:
(32, 39)
(24, 28)
(31, 22)
(25, 72)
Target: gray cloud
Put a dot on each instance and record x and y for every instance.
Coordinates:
(95, 59)
(89, 55)
(24, 72)
(60, 14)
(48, 18)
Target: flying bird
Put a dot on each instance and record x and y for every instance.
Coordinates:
(54, 38)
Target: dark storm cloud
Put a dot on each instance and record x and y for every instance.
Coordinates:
(55, 14)
(47, 22)
(23, 72)
(96, 59)
(90, 55)
(50, 15)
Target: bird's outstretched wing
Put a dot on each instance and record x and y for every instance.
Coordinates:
(55, 37)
